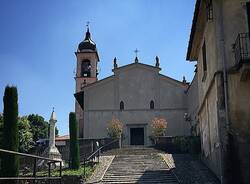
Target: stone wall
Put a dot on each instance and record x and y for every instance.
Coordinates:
(87, 146)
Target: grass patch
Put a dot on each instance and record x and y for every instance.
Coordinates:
(66, 172)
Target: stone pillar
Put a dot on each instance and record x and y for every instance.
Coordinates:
(52, 125)
(53, 151)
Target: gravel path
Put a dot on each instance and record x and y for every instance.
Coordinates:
(189, 169)
(100, 170)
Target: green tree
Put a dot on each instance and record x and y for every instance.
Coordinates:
(10, 162)
(39, 127)
(25, 135)
(74, 143)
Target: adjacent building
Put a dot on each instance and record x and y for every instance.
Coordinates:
(219, 42)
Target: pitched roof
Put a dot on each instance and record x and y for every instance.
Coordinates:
(62, 138)
(193, 29)
(136, 64)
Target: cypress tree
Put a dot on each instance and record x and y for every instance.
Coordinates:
(74, 143)
(10, 162)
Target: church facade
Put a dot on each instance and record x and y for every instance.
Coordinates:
(135, 94)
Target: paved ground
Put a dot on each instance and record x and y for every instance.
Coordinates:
(189, 169)
(147, 165)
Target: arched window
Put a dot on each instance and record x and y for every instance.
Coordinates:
(152, 104)
(121, 105)
(85, 68)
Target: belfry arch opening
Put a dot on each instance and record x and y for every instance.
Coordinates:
(85, 68)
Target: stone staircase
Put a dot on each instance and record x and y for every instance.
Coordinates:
(138, 165)
(133, 150)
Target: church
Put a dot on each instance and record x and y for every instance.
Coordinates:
(135, 94)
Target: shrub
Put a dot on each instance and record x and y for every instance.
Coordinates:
(115, 128)
(74, 143)
(159, 126)
(187, 144)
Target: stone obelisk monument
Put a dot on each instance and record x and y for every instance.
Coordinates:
(53, 151)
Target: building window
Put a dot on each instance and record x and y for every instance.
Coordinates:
(152, 104)
(204, 58)
(85, 68)
(209, 9)
(121, 105)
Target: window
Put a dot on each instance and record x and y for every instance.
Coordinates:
(204, 58)
(85, 68)
(152, 104)
(121, 105)
(209, 9)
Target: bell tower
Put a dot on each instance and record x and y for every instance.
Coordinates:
(86, 72)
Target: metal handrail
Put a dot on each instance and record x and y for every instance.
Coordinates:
(99, 149)
(96, 152)
(50, 161)
(28, 155)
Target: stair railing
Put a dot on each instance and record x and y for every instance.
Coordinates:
(94, 155)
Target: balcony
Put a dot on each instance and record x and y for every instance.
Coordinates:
(242, 55)
(242, 49)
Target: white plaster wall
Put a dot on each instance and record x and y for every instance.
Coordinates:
(172, 94)
(100, 96)
(137, 87)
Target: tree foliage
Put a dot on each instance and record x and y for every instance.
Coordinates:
(114, 128)
(10, 162)
(39, 127)
(159, 126)
(74, 143)
(25, 135)
(30, 129)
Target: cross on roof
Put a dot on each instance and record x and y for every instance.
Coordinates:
(136, 52)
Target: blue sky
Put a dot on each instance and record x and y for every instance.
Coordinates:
(38, 40)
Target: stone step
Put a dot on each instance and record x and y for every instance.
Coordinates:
(142, 167)
(134, 150)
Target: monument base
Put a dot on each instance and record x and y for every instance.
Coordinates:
(55, 155)
(52, 153)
